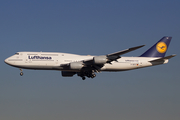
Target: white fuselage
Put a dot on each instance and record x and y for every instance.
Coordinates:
(53, 61)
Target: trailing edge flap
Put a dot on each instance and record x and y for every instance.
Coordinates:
(125, 51)
(162, 59)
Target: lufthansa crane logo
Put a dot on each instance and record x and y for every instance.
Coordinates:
(161, 47)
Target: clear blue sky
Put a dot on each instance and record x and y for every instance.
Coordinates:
(93, 27)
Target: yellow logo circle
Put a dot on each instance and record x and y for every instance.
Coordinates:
(161, 47)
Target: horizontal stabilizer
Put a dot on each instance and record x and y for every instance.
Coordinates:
(161, 59)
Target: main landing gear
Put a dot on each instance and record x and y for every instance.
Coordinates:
(21, 73)
(83, 77)
(89, 74)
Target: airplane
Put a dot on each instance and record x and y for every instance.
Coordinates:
(87, 65)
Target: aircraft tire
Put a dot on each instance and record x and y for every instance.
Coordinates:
(93, 75)
(83, 78)
(21, 73)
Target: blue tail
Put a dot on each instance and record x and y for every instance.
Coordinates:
(159, 49)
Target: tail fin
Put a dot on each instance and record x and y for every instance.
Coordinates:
(159, 49)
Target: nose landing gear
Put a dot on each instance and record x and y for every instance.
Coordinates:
(21, 73)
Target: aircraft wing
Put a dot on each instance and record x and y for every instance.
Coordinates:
(111, 57)
(125, 51)
(98, 61)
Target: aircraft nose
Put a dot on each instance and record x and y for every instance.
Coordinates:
(6, 61)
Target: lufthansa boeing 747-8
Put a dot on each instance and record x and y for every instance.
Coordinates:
(87, 66)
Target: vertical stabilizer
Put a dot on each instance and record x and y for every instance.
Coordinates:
(159, 49)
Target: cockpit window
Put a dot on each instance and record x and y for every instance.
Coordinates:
(16, 53)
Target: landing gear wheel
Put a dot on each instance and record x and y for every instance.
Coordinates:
(83, 78)
(93, 75)
(21, 73)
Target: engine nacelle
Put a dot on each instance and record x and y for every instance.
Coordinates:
(67, 74)
(76, 65)
(100, 59)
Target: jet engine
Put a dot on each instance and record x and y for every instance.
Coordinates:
(67, 74)
(76, 65)
(100, 59)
